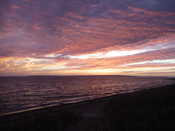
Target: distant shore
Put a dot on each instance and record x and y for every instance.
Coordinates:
(149, 109)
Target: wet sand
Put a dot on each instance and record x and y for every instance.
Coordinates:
(146, 110)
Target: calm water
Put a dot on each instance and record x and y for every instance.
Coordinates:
(19, 93)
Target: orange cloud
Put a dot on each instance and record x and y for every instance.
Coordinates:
(132, 41)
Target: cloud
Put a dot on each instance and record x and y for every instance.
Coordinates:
(74, 32)
(159, 5)
(119, 53)
(84, 36)
(166, 61)
(4, 4)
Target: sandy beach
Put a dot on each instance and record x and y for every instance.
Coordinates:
(146, 110)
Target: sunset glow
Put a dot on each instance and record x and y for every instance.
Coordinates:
(87, 38)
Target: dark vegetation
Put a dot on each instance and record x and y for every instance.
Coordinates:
(147, 110)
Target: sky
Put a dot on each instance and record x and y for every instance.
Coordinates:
(87, 37)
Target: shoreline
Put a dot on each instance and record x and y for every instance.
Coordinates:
(144, 109)
(59, 105)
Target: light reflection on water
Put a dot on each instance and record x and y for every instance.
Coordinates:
(18, 93)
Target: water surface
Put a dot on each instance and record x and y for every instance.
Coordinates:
(19, 93)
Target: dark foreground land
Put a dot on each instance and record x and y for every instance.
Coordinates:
(147, 110)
